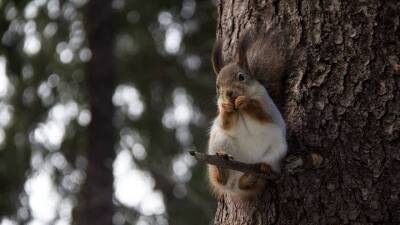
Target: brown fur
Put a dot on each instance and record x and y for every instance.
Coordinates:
(267, 57)
(218, 176)
(251, 184)
(247, 181)
(253, 108)
(227, 80)
(217, 179)
(265, 168)
(262, 55)
(260, 59)
(216, 57)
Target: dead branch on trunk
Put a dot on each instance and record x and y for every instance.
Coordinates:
(290, 165)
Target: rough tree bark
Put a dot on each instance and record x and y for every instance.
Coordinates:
(96, 206)
(342, 100)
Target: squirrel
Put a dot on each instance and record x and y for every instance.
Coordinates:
(249, 126)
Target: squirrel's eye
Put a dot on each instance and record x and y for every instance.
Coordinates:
(242, 77)
(217, 88)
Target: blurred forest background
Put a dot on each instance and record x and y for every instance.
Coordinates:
(161, 103)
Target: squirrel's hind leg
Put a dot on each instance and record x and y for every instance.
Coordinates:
(218, 179)
(218, 175)
(250, 185)
(247, 181)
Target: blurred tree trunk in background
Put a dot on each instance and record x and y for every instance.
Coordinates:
(96, 206)
(342, 101)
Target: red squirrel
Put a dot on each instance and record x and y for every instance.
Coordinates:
(249, 126)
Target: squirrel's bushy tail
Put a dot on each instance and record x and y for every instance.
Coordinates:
(267, 59)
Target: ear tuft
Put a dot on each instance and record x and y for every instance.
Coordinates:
(216, 57)
(244, 44)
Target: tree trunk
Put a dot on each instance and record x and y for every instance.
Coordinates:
(342, 101)
(96, 206)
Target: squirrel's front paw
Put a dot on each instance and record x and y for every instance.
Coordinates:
(227, 107)
(241, 102)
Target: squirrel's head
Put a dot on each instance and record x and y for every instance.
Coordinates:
(235, 78)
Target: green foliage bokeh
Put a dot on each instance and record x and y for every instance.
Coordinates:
(54, 75)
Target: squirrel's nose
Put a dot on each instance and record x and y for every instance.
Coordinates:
(229, 94)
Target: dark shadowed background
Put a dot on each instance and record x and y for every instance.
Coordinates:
(162, 103)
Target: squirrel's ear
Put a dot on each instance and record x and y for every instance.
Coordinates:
(216, 57)
(244, 44)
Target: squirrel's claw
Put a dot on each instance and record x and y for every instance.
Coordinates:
(265, 168)
(225, 155)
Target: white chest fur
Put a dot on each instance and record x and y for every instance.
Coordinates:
(250, 141)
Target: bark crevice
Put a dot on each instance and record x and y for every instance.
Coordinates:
(342, 100)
